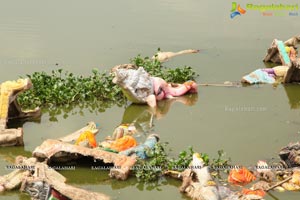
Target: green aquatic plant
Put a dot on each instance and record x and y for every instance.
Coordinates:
(155, 68)
(182, 161)
(61, 88)
(221, 163)
(153, 168)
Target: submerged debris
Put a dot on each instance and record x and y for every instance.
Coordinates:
(281, 53)
(165, 56)
(197, 181)
(290, 155)
(142, 149)
(10, 109)
(139, 87)
(240, 176)
(120, 144)
(284, 54)
(42, 182)
(136, 84)
(47, 180)
(57, 151)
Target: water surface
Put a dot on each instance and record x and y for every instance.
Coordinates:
(248, 123)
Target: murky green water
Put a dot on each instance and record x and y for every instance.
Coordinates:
(249, 123)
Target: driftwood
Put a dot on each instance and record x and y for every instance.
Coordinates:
(10, 109)
(225, 84)
(57, 151)
(279, 183)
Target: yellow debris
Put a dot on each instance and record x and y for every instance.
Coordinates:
(290, 186)
(7, 88)
(279, 189)
(296, 178)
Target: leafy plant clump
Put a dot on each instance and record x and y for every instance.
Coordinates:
(159, 162)
(153, 168)
(60, 88)
(155, 68)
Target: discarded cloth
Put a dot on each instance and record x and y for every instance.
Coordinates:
(87, 137)
(258, 76)
(123, 143)
(240, 176)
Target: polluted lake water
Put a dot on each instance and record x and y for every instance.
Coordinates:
(249, 123)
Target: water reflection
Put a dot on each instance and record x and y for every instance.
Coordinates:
(143, 116)
(79, 108)
(10, 153)
(140, 115)
(293, 94)
(16, 123)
